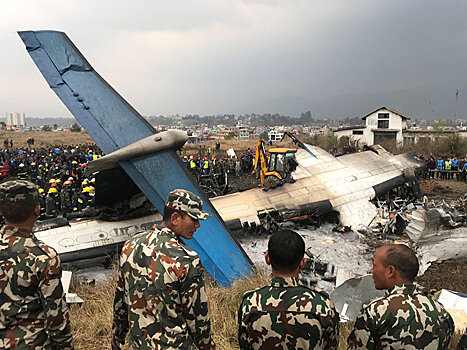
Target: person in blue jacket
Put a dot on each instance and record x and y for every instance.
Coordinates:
(439, 166)
(455, 166)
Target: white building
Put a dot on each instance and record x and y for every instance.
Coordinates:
(243, 133)
(15, 119)
(383, 126)
(275, 135)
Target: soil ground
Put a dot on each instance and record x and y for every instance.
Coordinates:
(443, 189)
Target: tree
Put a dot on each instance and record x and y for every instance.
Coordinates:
(452, 145)
(439, 126)
(46, 128)
(2, 125)
(55, 126)
(75, 128)
(264, 135)
(230, 136)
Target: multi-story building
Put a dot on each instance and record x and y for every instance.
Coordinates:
(243, 132)
(381, 126)
(275, 135)
(15, 119)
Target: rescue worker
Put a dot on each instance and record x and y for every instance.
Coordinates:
(81, 200)
(33, 171)
(42, 200)
(160, 296)
(406, 317)
(55, 172)
(192, 164)
(206, 166)
(52, 201)
(33, 311)
(88, 193)
(22, 172)
(286, 314)
(448, 166)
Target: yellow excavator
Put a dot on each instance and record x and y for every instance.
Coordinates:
(276, 169)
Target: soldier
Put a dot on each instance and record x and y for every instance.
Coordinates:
(66, 203)
(33, 311)
(287, 314)
(405, 318)
(160, 296)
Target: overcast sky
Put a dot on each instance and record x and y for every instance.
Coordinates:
(335, 58)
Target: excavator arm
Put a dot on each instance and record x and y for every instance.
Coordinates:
(298, 142)
(261, 161)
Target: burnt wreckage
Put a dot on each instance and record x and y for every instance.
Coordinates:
(344, 185)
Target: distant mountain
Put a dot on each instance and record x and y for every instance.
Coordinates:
(285, 105)
(423, 103)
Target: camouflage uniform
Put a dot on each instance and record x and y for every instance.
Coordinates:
(287, 315)
(65, 200)
(160, 296)
(33, 311)
(405, 318)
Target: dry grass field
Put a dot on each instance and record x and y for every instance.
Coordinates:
(92, 322)
(45, 138)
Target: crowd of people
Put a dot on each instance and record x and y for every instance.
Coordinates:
(57, 171)
(161, 302)
(445, 168)
(206, 162)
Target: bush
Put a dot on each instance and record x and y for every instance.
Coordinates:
(75, 128)
(230, 136)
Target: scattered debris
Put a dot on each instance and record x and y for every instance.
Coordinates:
(350, 296)
(439, 232)
(456, 304)
(214, 183)
(71, 298)
(317, 268)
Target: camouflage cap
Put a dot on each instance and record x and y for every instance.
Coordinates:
(188, 202)
(18, 190)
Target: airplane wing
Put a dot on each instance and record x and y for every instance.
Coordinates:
(113, 123)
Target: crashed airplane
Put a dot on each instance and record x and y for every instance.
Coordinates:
(322, 183)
